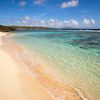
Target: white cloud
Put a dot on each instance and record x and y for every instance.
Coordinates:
(93, 21)
(38, 1)
(71, 3)
(55, 23)
(42, 21)
(31, 21)
(22, 3)
(38, 22)
(71, 23)
(60, 23)
(52, 22)
(27, 18)
(88, 22)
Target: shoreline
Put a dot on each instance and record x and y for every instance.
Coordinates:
(54, 89)
(15, 82)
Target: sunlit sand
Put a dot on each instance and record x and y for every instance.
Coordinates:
(16, 83)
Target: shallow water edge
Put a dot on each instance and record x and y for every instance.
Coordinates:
(56, 89)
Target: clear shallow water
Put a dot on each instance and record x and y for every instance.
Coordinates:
(74, 55)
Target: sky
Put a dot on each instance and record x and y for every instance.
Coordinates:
(51, 13)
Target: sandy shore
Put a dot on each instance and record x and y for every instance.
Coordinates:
(16, 83)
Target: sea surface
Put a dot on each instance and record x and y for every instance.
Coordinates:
(73, 55)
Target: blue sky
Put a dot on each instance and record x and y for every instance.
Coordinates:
(52, 13)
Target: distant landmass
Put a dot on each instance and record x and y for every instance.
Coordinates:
(29, 28)
(15, 28)
(6, 28)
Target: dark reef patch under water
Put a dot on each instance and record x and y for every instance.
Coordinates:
(82, 39)
(91, 42)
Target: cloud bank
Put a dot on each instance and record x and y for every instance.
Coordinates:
(49, 23)
(53, 22)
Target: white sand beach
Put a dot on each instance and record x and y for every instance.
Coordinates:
(16, 83)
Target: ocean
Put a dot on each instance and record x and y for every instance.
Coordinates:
(72, 57)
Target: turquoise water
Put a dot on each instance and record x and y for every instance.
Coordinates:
(74, 55)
